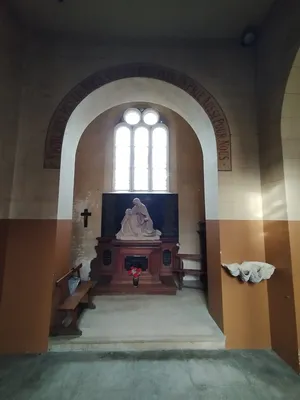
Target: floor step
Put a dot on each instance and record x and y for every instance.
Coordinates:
(145, 323)
(94, 344)
(121, 289)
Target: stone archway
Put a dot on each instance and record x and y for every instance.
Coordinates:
(158, 92)
(58, 123)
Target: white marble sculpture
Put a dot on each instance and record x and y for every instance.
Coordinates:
(251, 271)
(137, 224)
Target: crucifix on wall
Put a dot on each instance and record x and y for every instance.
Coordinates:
(85, 214)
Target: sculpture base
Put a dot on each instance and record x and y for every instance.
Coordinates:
(115, 258)
(137, 238)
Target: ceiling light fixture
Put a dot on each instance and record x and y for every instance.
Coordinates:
(249, 37)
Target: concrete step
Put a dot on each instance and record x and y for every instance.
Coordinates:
(61, 344)
(129, 289)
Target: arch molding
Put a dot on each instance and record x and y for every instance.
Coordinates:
(58, 122)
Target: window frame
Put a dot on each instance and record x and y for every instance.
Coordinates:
(150, 164)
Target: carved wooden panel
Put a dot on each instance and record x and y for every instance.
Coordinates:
(167, 258)
(107, 257)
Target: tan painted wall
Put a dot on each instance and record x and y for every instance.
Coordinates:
(94, 176)
(89, 185)
(245, 305)
(278, 45)
(189, 186)
(27, 286)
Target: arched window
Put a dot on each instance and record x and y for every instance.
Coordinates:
(141, 152)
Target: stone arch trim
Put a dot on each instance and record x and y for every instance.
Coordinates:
(58, 122)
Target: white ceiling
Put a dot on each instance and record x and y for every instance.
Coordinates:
(139, 19)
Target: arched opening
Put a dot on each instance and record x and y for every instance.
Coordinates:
(94, 170)
(151, 91)
(94, 176)
(138, 90)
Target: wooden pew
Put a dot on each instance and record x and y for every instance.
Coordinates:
(180, 271)
(70, 305)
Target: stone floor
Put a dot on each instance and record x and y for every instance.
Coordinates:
(209, 375)
(141, 322)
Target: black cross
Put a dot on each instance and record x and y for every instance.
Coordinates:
(85, 214)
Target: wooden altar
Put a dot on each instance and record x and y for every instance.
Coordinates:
(115, 258)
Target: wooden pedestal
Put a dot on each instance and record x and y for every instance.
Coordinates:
(110, 271)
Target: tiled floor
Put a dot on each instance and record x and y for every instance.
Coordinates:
(209, 375)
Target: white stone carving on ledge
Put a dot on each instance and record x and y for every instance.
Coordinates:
(137, 224)
(251, 271)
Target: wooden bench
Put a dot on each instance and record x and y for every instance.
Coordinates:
(70, 306)
(180, 271)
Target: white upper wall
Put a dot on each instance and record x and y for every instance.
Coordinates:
(51, 69)
(290, 131)
(10, 90)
